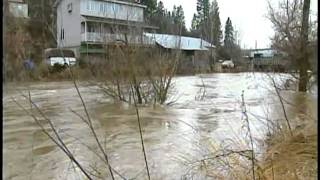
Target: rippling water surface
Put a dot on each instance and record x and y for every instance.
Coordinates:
(174, 135)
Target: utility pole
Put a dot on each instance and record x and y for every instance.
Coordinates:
(256, 45)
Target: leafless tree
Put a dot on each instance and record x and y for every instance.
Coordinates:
(291, 24)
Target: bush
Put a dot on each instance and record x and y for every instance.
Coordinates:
(57, 68)
(82, 63)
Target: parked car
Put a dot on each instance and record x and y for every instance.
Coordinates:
(59, 56)
(227, 64)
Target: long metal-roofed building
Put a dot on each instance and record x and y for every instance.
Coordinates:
(197, 54)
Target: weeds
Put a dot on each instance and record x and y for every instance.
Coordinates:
(244, 111)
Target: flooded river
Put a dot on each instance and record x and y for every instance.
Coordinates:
(175, 135)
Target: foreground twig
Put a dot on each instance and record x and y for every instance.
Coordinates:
(57, 141)
(90, 124)
(244, 111)
(140, 131)
(282, 104)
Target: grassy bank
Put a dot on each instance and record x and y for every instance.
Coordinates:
(291, 157)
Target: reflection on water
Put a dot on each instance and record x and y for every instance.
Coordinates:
(174, 135)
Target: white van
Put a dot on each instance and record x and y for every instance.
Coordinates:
(59, 56)
(228, 64)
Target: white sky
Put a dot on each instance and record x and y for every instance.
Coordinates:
(247, 16)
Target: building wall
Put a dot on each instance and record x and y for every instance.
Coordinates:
(69, 23)
(111, 10)
(202, 61)
(194, 62)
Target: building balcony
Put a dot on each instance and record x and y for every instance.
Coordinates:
(107, 38)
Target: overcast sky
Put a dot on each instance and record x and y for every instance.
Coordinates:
(247, 16)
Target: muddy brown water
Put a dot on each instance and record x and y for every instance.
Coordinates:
(175, 135)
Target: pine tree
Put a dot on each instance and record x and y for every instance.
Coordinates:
(160, 9)
(203, 7)
(205, 10)
(199, 9)
(151, 8)
(160, 17)
(174, 12)
(194, 23)
(216, 24)
(180, 19)
(228, 34)
(229, 47)
(201, 19)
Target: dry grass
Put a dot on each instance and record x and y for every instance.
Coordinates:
(292, 157)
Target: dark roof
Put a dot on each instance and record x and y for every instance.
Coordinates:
(55, 52)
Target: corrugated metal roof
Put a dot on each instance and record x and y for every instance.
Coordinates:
(173, 41)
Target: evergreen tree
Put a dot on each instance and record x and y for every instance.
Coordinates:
(160, 9)
(205, 10)
(201, 20)
(216, 24)
(230, 48)
(203, 7)
(169, 22)
(160, 17)
(151, 8)
(228, 34)
(194, 23)
(199, 10)
(174, 12)
(180, 20)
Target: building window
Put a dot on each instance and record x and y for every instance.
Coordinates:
(116, 8)
(91, 6)
(97, 7)
(88, 6)
(101, 8)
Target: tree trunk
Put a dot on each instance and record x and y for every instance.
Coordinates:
(304, 60)
(303, 78)
(136, 87)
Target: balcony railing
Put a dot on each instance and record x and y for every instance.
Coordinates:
(109, 38)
